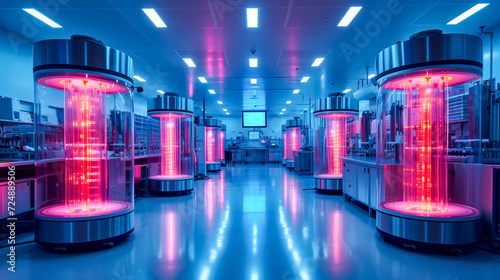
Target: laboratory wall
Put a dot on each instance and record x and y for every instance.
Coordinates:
(235, 129)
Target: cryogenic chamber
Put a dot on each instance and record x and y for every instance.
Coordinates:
(212, 144)
(293, 140)
(283, 139)
(428, 152)
(84, 142)
(335, 120)
(173, 171)
(222, 144)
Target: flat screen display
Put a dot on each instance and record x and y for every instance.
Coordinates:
(254, 118)
(253, 135)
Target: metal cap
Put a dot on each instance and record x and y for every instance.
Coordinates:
(170, 102)
(223, 127)
(84, 53)
(283, 128)
(211, 122)
(336, 103)
(296, 122)
(428, 48)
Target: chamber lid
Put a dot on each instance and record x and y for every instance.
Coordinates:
(336, 103)
(170, 103)
(211, 122)
(296, 122)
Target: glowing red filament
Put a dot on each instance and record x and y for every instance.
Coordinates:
(335, 144)
(170, 145)
(210, 145)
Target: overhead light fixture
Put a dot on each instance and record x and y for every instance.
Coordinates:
(305, 79)
(225, 110)
(252, 17)
(283, 109)
(43, 18)
(211, 91)
(227, 113)
(203, 80)
(305, 109)
(220, 102)
(318, 62)
(468, 13)
(296, 91)
(281, 113)
(347, 90)
(189, 62)
(160, 91)
(349, 16)
(288, 102)
(371, 76)
(139, 79)
(154, 17)
(254, 62)
(253, 81)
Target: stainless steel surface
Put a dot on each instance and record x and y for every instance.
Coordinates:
(304, 163)
(328, 184)
(335, 104)
(170, 186)
(366, 93)
(212, 167)
(431, 50)
(350, 178)
(213, 122)
(223, 127)
(199, 145)
(75, 232)
(430, 232)
(170, 103)
(490, 199)
(363, 186)
(86, 54)
(371, 161)
(294, 123)
(289, 164)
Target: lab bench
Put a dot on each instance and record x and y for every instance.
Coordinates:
(360, 181)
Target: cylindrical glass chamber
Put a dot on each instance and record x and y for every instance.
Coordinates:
(213, 144)
(293, 140)
(222, 144)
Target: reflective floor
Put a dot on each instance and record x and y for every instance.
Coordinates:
(251, 222)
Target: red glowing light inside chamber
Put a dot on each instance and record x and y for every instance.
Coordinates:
(62, 81)
(211, 145)
(222, 143)
(292, 142)
(170, 125)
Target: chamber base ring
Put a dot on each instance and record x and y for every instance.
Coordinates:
(328, 186)
(213, 167)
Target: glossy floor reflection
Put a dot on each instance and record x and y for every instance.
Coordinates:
(252, 222)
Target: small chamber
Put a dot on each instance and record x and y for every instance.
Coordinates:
(292, 140)
(213, 144)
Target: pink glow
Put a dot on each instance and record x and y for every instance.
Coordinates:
(222, 144)
(336, 238)
(170, 177)
(328, 176)
(59, 210)
(335, 115)
(94, 82)
(434, 77)
(454, 210)
(211, 151)
(209, 199)
(170, 115)
(170, 145)
(171, 237)
(292, 142)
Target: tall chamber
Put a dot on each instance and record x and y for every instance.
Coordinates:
(293, 140)
(84, 143)
(172, 171)
(213, 144)
(222, 145)
(333, 118)
(428, 139)
(283, 138)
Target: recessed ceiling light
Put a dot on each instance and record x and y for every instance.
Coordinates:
(225, 110)
(43, 18)
(371, 76)
(252, 17)
(139, 79)
(283, 109)
(468, 13)
(211, 91)
(253, 81)
(160, 91)
(288, 102)
(305, 79)
(189, 62)
(296, 91)
(203, 80)
(227, 113)
(154, 17)
(318, 62)
(305, 109)
(349, 16)
(347, 90)
(281, 113)
(220, 102)
(254, 62)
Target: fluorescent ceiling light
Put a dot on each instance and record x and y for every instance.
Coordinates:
(227, 113)
(253, 81)
(371, 76)
(160, 91)
(305, 109)
(211, 90)
(139, 79)
(154, 17)
(203, 80)
(189, 62)
(254, 62)
(281, 113)
(283, 109)
(252, 17)
(305, 79)
(220, 102)
(468, 13)
(43, 18)
(288, 102)
(225, 110)
(347, 90)
(318, 62)
(349, 16)
(296, 91)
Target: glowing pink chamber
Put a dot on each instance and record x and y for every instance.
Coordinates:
(222, 144)
(292, 140)
(212, 145)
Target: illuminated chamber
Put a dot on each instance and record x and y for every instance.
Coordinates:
(213, 144)
(172, 170)
(84, 150)
(292, 140)
(428, 144)
(332, 138)
(222, 144)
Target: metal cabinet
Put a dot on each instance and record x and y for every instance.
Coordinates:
(349, 175)
(363, 186)
(360, 182)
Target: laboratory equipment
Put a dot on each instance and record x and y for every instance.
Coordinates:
(222, 145)
(293, 140)
(283, 139)
(172, 172)
(336, 121)
(427, 195)
(212, 144)
(84, 142)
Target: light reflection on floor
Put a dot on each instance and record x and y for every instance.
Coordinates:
(255, 224)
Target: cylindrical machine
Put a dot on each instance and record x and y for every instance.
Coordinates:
(332, 133)
(293, 140)
(222, 145)
(426, 195)
(283, 137)
(84, 144)
(172, 172)
(212, 144)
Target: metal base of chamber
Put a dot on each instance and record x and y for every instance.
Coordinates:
(328, 186)
(289, 164)
(171, 187)
(213, 167)
(83, 232)
(429, 232)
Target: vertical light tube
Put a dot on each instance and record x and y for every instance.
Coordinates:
(210, 145)
(335, 143)
(222, 144)
(170, 145)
